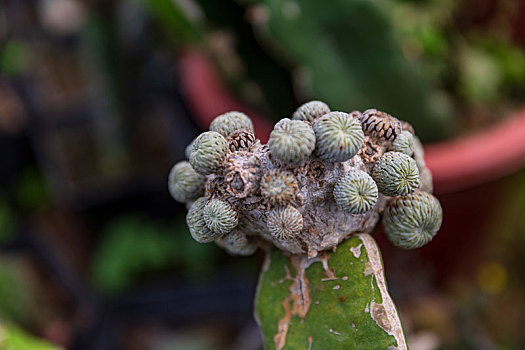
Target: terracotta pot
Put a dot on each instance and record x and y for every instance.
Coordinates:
(467, 171)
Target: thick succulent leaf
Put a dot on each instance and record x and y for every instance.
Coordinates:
(338, 300)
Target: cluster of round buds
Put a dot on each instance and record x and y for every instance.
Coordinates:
(323, 175)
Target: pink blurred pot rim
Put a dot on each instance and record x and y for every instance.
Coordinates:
(456, 165)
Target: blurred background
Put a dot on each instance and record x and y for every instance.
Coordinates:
(99, 98)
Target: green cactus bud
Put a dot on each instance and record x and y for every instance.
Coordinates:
(396, 174)
(339, 136)
(380, 124)
(238, 243)
(195, 220)
(284, 222)
(412, 221)
(404, 143)
(425, 180)
(292, 141)
(208, 152)
(220, 217)
(310, 111)
(227, 123)
(189, 148)
(356, 192)
(278, 187)
(184, 183)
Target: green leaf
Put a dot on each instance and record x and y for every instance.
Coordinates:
(14, 338)
(338, 300)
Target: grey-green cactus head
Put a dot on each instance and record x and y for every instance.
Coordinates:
(356, 192)
(339, 136)
(396, 174)
(292, 141)
(208, 152)
(322, 176)
(225, 124)
(185, 183)
(219, 216)
(412, 221)
(310, 111)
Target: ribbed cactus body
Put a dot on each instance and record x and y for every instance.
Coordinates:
(185, 183)
(278, 187)
(356, 192)
(404, 143)
(208, 152)
(238, 243)
(284, 222)
(198, 228)
(412, 221)
(338, 135)
(310, 111)
(292, 141)
(396, 174)
(225, 124)
(220, 216)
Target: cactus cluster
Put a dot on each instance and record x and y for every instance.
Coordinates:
(323, 176)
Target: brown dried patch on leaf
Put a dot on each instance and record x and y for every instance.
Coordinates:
(299, 300)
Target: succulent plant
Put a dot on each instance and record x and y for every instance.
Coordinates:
(219, 216)
(310, 111)
(338, 136)
(292, 141)
(404, 143)
(412, 221)
(396, 174)
(278, 187)
(185, 183)
(225, 124)
(208, 152)
(198, 228)
(356, 192)
(311, 190)
(284, 222)
(238, 243)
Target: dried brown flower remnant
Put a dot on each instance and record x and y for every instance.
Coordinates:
(241, 140)
(380, 124)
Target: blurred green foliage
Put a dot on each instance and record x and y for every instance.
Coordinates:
(16, 301)
(7, 224)
(133, 246)
(14, 338)
(14, 58)
(424, 61)
(30, 191)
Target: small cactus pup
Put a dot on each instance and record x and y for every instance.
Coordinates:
(310, 199)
